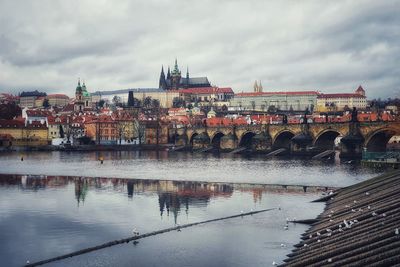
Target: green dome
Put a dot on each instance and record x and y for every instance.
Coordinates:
(85, 93)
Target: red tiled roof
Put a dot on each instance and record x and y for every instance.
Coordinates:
(344, 95)
(36, 124)
(11, 124)
(206, 90)
(278, 93)
(360, 89)
(38, 113)
(68, 108)
(58, 96)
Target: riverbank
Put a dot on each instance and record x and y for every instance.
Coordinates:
(359, 227)
(91, 148)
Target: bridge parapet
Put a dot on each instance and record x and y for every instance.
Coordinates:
(322, 134)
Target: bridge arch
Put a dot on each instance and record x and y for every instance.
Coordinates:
(246, 139)
(326, 139)
(377, 140)
(283, 139)
(216, 140)
(192, 137)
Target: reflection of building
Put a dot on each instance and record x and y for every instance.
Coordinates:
(81, 188)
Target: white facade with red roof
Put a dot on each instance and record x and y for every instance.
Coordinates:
(342, 101)
(264, 101)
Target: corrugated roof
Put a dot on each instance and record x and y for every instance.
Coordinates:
(357, 228)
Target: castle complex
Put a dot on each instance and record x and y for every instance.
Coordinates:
(175, 81)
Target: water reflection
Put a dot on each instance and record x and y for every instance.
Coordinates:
(173, 196)
(51, 215)
(185, 166)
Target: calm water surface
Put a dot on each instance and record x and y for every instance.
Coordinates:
(185, 166)
(44, 214)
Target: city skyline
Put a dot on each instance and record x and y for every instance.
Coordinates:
(330, 47)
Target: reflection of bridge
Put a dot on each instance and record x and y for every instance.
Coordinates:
(296, 138)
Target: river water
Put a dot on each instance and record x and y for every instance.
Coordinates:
(53, 207)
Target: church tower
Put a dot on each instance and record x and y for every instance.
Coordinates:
(255, 86)
(79, 102)
(175, 77)
(162, 84)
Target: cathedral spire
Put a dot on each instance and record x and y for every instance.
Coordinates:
(260, 87)
(162, 83)
(168, 74)
(187, 72)
(256, 88)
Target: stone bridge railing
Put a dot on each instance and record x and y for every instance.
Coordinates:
(297, 138)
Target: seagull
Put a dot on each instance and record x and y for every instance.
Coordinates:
(374, 213)
(329, 260)
(274, 263)
(355, 221)
(286, 227)
(283, 245)
(318, 240)
(318, 234)
(355, 201)
(383, 214)
(27, 262)
(310, 236)
(367, 193)
(353, 210)
(135, 232)
(369, 207)
(305, 245)
(396, 231)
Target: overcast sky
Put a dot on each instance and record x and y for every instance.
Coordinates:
(329, 46)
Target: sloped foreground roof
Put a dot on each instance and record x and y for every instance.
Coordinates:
(359, 227)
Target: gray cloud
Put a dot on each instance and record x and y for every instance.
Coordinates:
(318, 45)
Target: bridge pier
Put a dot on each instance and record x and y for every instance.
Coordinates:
(181, 140)
(351, 146)
(228, 142)
(201, 141)
(300, 144)
(261, 142)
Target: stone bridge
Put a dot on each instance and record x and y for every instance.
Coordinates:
(296, 138)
